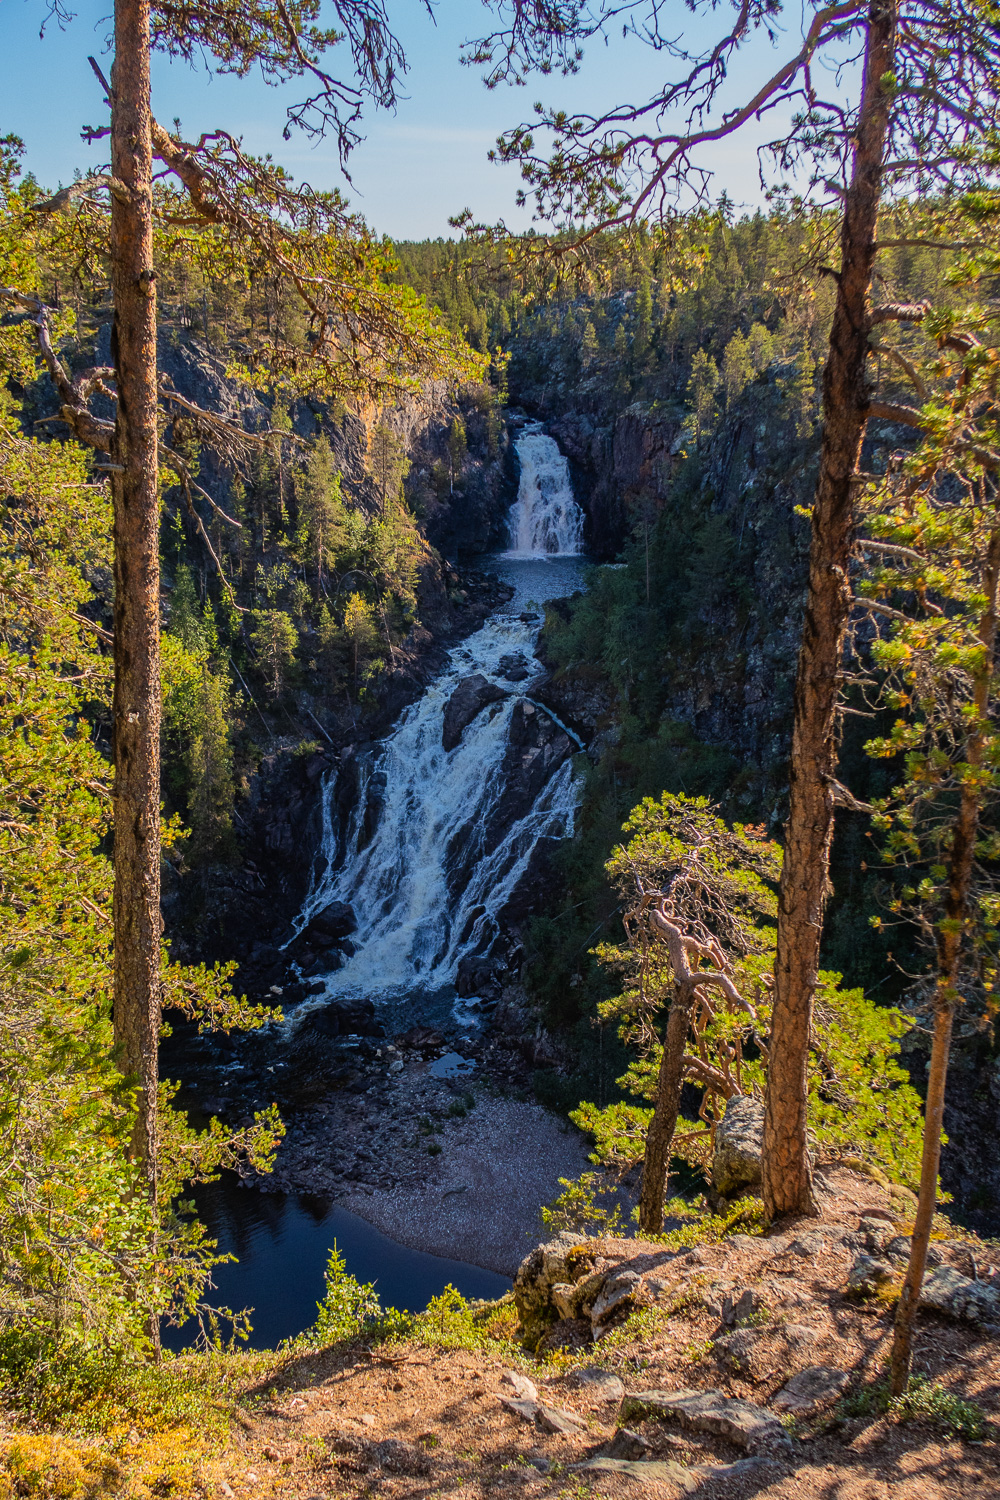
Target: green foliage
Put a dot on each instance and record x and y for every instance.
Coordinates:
(82, 1253)
(720, 889)
(274, 639)
(577, 1208)
(346, 1310)
(923, 1401)
(326, 529)
(199, 717)
(451, 1322)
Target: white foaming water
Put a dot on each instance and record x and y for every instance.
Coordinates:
(545, 520)
(428, 886)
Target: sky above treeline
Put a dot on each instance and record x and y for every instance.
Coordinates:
(416, 167)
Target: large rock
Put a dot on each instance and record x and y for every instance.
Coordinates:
(471, 696)
(537, 1274)
(741, 1422)
(674, 1480)
(948, 1291)
(736, 1162)
(811, 1390)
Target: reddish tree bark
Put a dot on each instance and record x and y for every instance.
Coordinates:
(809, 830)
(136, 703)
(951, 933)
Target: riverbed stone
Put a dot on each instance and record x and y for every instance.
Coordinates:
(736, 1160)
(741, 1422)
(514, 667)
(471, 696)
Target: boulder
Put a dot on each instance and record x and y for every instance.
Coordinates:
(673, 1479)
(627, 1444)
(867, 1275)
(600, 1385)
(473, 976)
(741, 1422)
(421, 1038)
(810, 1390)
(948, 1291)
(345, 1018)
(514, 667)
(470, 697)
(335, 921)
(617, 1295)
(537, 1274)
(736, 1162)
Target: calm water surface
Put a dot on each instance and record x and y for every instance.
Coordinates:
(283, 1242)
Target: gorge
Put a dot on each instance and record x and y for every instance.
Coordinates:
(428, 848)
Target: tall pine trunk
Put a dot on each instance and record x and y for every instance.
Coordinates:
(949, 957)
(137, 582)
(809, 830)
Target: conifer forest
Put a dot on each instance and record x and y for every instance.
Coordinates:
(500, 766)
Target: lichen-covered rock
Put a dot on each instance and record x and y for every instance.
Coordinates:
(675, 1480)
(948, 1291)
(867, 1275)
(810, 1390)
(618, 1294)
(736, 1161)
(599, 1385)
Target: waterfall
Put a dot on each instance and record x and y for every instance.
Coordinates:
(428, 885)
(545, 520)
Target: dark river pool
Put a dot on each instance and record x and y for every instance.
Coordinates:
(283, 1242)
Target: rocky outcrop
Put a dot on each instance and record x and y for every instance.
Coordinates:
(947, 1291)
(743, 1423)
(736, 1160)
(572, 1281)
(466, 703)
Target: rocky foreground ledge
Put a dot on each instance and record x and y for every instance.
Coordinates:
(742, 1367)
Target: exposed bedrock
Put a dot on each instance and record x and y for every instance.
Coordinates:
(466, 703)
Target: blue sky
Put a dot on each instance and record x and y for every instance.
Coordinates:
(415, 168)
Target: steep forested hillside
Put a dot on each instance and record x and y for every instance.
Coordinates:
(681, 377)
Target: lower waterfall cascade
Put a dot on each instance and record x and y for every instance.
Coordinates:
(428, 883)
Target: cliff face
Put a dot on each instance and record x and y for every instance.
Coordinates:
(458, 493)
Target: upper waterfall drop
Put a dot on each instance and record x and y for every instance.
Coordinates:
(429, 866)
(545, 520)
